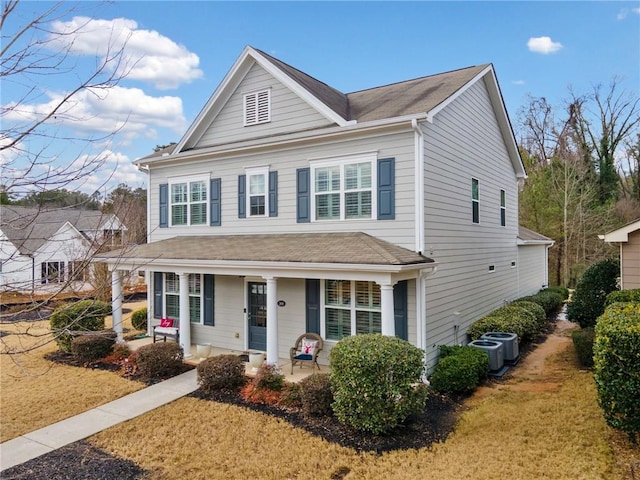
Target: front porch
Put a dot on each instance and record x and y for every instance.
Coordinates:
(283, 363)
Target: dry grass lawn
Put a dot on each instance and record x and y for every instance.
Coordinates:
(547, 427)
(35, 393)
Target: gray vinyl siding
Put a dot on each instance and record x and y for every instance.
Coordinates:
(531, 269)
(289, 112)
(400, 231)
(462, 143)
(630, 262)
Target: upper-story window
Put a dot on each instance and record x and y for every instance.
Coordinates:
(343, 188)
(475, 200)
(188, 202)
(258, 198)
(503, 208)
(257, 107)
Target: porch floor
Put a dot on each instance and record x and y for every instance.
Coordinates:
(283, 363)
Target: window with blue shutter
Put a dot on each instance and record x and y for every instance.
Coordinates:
(164, 205)
(386, 189)
(400, 309)
(312, 295)
(157, 294)
(303, 195)
(242, 196)
(209, 299)
(215, 202)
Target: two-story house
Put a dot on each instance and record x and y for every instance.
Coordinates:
(44, 250)
(291, 207)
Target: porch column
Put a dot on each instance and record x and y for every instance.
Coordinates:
(116, 303)
(386, 300)
(185, 323)
(272, 320)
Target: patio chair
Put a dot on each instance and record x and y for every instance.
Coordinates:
(306, 349)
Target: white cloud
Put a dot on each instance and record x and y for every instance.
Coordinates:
(543, 45)
(518, 82)
(128, 111)
(624, 13)
(147, 55)
(114, 168)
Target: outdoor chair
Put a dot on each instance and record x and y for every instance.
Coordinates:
(306, 349)
(168, 328)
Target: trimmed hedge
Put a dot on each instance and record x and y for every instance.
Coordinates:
(82, 316)
(90, 347)
(315, 394)
(139, 319)
(535, 309)
(551, 302)
(559, 289)
(159, 360)
(583, 344)
(513, 318)
(616, 353)
(588, 300)
(373, 379)
(459, 369)
(623, 296)
(222, 372)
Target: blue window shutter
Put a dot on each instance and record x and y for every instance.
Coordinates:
(157, 294)
(242, 196)
(386, 189)
(273, 194)
(164, 205)
(303, 191)
(400, 309)
(209, 296)
(214, 203)
(312, 294)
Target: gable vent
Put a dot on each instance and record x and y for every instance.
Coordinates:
(257, 107)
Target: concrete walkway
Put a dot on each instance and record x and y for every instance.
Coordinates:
(36, 443)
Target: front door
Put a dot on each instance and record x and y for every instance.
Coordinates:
(257, 315)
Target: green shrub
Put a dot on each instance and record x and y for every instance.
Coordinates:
(82, 316)
(315, 394)
(459, 369)
(551, 302)
(89, 347)
(139, 319)
(159, 360)
(535, 309)
(291, 396)
(588, 300)
(512, 318)
(269, 377)
(623, 296)
(222, 372)
(373, 377)
(583, 344)
(559, 289)
(616, 353)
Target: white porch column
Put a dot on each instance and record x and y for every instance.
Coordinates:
(386, 300)
(185, 324)
(272, 320)
(116, 303)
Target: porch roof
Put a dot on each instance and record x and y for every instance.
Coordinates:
(324, 248)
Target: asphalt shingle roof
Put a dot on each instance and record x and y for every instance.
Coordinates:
(348, 248)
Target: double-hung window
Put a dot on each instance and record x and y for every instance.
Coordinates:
(188, 202)
(475, 200)
(258, 198)
(52, 272)
(343, 188)
(172, 296)
(351, 307)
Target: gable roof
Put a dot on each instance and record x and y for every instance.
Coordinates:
(28, 228)
(420, 98)
(621, 234)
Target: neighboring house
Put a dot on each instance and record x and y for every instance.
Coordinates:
(533, 273)
(41, 250)
(289, 206)
(628, 240)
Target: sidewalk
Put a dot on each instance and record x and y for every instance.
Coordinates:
(47, 439)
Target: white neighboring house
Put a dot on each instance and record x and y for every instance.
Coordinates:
(42, 250)
(291, 207)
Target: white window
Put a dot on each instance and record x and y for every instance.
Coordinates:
(52, 272)
(475, 200)
(503, 208)
(172, 296)
(350, 307)
(257, 107)
(188, 201)
(258, 192)
(343, 188)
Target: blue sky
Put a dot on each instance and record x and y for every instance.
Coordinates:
(183, 50)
